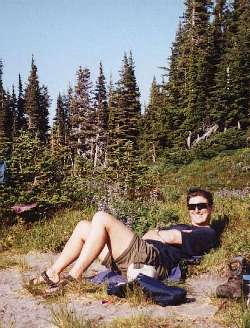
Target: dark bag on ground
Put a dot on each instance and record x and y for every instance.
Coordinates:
(160, 293)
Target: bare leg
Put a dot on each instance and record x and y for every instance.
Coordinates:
(90, 239)
(71, 250)
(105, 229)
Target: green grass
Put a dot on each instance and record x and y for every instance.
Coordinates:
(229, 171)
(85, 288)
(46, 235)
(65, 317)
(146, 321)
(11, 259)
(233, 313)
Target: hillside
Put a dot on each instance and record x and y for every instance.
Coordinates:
(160, 201)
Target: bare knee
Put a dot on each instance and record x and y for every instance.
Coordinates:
(103, 217)
(82, 228)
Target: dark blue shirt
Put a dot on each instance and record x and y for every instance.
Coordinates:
(195, 243)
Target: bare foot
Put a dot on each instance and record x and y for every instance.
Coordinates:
(46, 277)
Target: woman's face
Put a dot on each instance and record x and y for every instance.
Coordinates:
(199, 211)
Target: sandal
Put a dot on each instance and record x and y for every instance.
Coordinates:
(58, 288)
(46, 280)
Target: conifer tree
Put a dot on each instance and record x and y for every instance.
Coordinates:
(6, 117)
(176, 86)
(231, 95)
(113, 125)
(154, 131)
(176, 90)
(36, 105)
(101, 108)
(68, 100)
(218, 33)
(1, 75)
(21, 123)
(44, 104)
(13, 110)
(189, 75)
(128, 103)
(82, 116)
(199, 70)
(124, 125)
(126, 110)
(60, 130)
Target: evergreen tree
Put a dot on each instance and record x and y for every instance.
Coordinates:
(128, 103)
(21, 123)
(113, 124)
(124, 122)
(6, 117)
(176, 87)
(126, 114)
(1, 75)
(231, 95)
(36, 105)
(190, 76)
(67, 100)
(101, 108)
(13, 110)
(199, 70)
(154, 130)
(44, 104)
(82, 116)
(2, 107)
(176, 90)
(60, 128)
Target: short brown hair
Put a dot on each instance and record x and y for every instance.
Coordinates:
(192, 192)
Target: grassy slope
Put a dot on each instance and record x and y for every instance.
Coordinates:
(225, 172)
(229, 172)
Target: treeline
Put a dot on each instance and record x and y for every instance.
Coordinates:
(207, 81)
(204, 95)
(91, 122)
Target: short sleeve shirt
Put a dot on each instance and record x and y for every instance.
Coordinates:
(196, 241)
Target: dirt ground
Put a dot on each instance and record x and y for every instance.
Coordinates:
(19, 309)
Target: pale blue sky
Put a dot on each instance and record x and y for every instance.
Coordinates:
(64, 34)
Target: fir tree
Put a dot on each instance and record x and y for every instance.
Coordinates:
(199, 70)
(1, 75)
(113, 124)
(44, 104)
(67, 100)
(176, 87)
(101, 108)
(128, 103)
(13, 110)
(37, 105)
(82, 116)
(154, 129)
(60, 128)
(124, 125)
(231, 95)
(6, 118)
(21, 123)
(189, 76)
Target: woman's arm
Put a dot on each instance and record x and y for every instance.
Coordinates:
(172, 236)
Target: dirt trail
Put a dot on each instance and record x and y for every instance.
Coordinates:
(19, 309)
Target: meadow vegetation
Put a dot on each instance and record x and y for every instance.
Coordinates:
(64, 317)
(159, 201)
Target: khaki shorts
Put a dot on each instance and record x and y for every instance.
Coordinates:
(138, 251)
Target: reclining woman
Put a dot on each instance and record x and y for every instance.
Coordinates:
(117, 246)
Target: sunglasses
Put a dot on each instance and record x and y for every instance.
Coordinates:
(200, 206)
